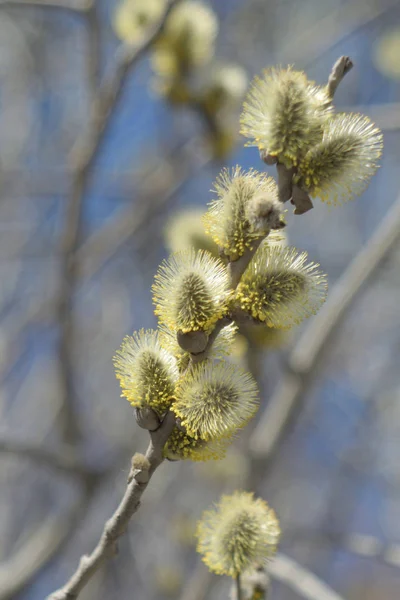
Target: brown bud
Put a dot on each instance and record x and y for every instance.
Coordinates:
(193, 341)
(147, 418)
(301, 201)
(267, 158)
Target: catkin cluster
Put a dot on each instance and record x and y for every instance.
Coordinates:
(185, 71)
(246, 276)
(292, 121)
(183, 365)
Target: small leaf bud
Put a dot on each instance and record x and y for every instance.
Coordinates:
(147, 418)
(192, 341)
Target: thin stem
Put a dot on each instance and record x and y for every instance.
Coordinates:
(94, 49)
(303, 582)
(239, 594)
(341, 67)
(116, 526)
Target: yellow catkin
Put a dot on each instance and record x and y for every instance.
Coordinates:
(342, 164)
(190, 291)
(284, 114)
(147, 372)
(231, 220)
(213, 400)
(181, 446)
(240, 533)
(280, 288)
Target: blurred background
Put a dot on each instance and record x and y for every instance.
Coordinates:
(83, 214)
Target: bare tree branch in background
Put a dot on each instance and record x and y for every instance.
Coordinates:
(94, 47)
(64, 460)
(117, 524)
(305, 360)
(106, 242)
(365, 546)
(79, 6)
(44, 543)
(325, 32)
(300, 580)
(83, 158)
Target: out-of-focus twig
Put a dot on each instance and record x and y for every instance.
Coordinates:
(103, 244)
(305, 360)
(367, 546)
(79, 6)
(299, 579)
(43, 544)
(83, 158)
(63, 460)
(116, 526)
(197, 584)
(327, 31)
(94, 48)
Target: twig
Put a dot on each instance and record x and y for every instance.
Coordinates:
(43, 545)
(366, 546)
(303, 582)
(197, 584)
(305, 360)
(94, 48)
(63, 460)
(341, 67)
(238, 587)
(77, 6)
(83, 158)
(329, 30)
(103, 244)
(117, 524)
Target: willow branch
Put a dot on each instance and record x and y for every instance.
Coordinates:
(304, 363)
(83, 158)
(300, 580)
(116, 526)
